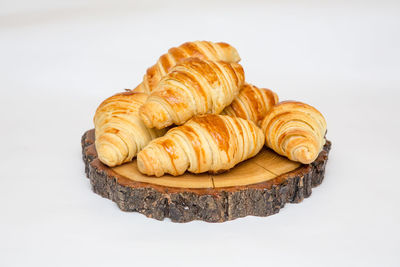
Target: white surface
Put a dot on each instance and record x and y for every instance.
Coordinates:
(59, 60)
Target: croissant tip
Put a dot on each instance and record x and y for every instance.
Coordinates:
(141, 163)
(107, 154)
(148, 164)
(305, 156)
(154, 115)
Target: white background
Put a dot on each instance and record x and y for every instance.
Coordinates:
(59, 60)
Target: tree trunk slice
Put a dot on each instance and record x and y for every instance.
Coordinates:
(259, 186)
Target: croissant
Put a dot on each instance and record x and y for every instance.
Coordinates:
(205, 143)
(252, 103)
(295, 130)
(192, 87)
(175, 55)
(120, 134)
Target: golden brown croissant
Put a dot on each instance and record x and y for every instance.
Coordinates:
(120, 134)
(192, 87)
(252, 103)
(295, 130)
(205, 143)
(175, 55)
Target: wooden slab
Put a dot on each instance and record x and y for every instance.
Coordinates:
(259, 186)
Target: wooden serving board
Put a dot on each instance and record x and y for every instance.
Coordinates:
(259, 186)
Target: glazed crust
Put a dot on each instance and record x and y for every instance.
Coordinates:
(210, 143)
(120, 134)
(295, 130)
(175, 55)
(252, 103)
(191, 88)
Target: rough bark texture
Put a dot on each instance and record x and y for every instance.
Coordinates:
(210, 205)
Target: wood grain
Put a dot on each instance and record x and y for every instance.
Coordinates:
(263, 167)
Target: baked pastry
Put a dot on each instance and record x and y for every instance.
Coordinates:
(209, 142)
(193, 87)
(175, 55)
(252, 103)
(120, 134)
(295, 130)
